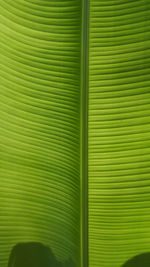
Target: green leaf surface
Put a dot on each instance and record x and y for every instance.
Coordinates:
(40, 126)
(74, 128)
(119, 124)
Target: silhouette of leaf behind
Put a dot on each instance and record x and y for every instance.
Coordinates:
(34, 254)
(141, 260)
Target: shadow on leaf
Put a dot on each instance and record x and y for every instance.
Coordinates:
(142, 260)
(34, 255)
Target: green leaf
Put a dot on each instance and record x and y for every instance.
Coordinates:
(40, 126)
(119, 124)
(74, 128)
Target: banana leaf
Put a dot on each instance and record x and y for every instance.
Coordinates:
(74, 131)
(40, 126)
(118, 131)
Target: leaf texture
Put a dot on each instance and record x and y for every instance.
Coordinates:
(40, 126)
(54, 76)
(119, 124)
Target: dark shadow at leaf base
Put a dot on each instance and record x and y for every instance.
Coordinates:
(34, 255)
(142, 260)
